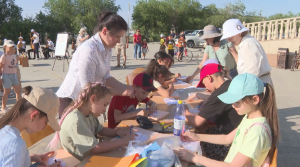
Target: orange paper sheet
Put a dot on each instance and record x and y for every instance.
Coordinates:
(66, 157)
(111, 161)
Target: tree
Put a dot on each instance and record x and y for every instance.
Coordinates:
(74, 14)
(9, 10)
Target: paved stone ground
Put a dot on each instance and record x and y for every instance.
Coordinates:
(286, 87)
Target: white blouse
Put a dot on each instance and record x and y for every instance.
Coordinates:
(90, 63)
(252, 57)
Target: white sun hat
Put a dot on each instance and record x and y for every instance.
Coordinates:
(162, 35)
(233, 27)
(21, 37)
(32, 30)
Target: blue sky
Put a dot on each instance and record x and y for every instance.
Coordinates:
(268, 7)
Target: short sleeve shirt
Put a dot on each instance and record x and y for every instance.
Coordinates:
(124, 104)
(51, 44)
(181, 42)
(10, 63)
(16, 152)
(170, 44)
(156, 84)
(162, 41)
(77, 134)
(223, 115)
(144, 45)
(23, 42)
(255, 144)
(137, 38)
(123, 40)
(36, 39)
(222, 54)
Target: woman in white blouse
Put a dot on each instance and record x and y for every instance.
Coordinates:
(251, 55)
(91, 61)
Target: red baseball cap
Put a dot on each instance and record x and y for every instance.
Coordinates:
(208, 70)
(144, 81)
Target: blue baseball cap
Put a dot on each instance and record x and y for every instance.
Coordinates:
(241, 86)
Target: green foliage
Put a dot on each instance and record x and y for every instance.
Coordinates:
(74, 14)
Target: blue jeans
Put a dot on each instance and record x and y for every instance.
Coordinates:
(137, 48)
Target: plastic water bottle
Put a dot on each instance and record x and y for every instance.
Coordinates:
(179, 119)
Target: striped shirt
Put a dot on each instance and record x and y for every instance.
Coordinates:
(13, 149)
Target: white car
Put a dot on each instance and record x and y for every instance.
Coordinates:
(193, 39)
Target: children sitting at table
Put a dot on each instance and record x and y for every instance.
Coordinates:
(31, 113)
(160, 74)
(214, 110)
(79, 125)
(164, 59)
(254, 141)
(124, 107)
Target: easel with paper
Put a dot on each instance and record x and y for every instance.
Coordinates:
(60, 48)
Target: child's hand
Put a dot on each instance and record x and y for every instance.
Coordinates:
(56, 164)
(173, 80)
(143, 113)
(123, 132)
(189, 79)
(152, 108)
(191, 97)
(185, 154)
(129, 137)
(189, 136)
(178, 75)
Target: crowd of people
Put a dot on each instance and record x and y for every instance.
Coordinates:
(240, 103)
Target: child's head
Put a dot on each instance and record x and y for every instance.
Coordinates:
(170, 36)
(9, 47)
(21, 38)
(158, 72)
(144, 40)
(143, 85)
(246, 94)
(162, 35)
(181, 36)
(163, 59)
(37, 108)
(209, 75)
(95, 97)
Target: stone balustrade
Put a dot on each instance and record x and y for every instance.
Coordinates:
(275, 29)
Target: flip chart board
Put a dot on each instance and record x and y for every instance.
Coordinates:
(61, 44)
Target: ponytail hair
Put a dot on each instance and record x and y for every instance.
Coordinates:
(21, 107)
(97, 89)
(112, 21)
(154, 70)
(268, 107)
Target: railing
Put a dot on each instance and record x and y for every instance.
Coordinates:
(275, 29)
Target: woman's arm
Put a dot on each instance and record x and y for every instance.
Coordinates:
(205, 57)
(167, 93)
(117, 88)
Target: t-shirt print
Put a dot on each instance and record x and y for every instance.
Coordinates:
(170, 44)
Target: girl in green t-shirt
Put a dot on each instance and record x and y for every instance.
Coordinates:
(253, 142)
(80, 125)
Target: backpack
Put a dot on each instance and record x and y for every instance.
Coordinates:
(266, 162)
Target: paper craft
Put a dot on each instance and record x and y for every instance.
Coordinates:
(113, 161)
(170, 101)
(52, 160)
(66, 157)
(192, 146)
(158, 115)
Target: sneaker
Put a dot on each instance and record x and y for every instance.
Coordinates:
(144, 58)
(37, 59)
(124, 65)
(140, 58)
(118, 66)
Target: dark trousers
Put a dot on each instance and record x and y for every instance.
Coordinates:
(28, 53)
(36, 49)
(46, 52)
(21, 50)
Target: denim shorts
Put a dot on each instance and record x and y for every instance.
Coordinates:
(10, 80)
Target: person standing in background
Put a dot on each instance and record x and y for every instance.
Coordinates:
(82, 36)
(137, 43)
(121, 48)
(36, 43)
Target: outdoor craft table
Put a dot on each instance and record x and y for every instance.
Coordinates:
(161, 105)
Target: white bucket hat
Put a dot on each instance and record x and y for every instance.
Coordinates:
(32, 30)
(162, 35)
(20, 37)
(9, 43)
(210, 31)
(233, 27)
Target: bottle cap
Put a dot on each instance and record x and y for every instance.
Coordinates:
(179, 101)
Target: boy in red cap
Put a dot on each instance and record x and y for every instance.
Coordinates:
(214, 110)
(124, 107)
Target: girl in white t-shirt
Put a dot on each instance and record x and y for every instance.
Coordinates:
(160, 74)
(254, 141)
(8, 64)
